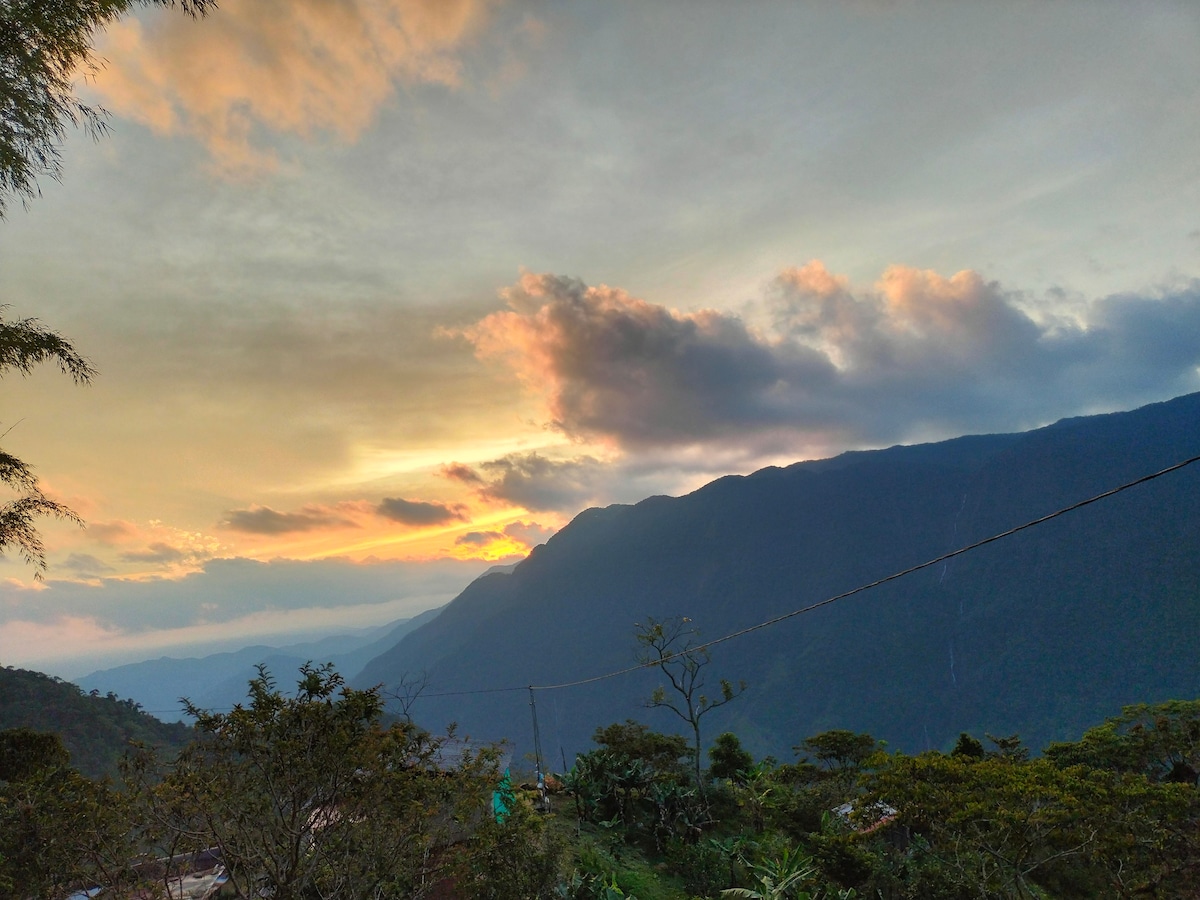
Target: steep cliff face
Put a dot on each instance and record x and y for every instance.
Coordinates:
(1042, 633)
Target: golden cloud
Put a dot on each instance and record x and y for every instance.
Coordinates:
(916, 355)
(287, 66)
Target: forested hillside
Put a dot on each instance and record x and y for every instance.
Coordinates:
(315, 795)
(95, 729)
(1041, 634)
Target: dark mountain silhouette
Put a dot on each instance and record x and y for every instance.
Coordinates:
(1043, 633)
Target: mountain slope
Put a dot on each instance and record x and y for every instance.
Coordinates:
(1042, 633)
(219, 680)
(96, 730)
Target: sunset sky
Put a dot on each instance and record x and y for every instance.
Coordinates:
(383, 292)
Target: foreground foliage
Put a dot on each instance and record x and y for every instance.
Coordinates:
(315, 796)
(1114, 815)
(302, 797)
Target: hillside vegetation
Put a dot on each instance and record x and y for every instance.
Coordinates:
(1043, 633)
(96, 730)
(312, 795)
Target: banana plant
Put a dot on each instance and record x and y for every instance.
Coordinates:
(778, 879)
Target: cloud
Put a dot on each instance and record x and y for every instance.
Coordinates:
(142, 550)
(115, 532)
(529, 533)
(264, 520)
(283, 66)
(86, 565)
(461, 472)
(227, 603)
(158, 552)
(478, 538)
(916, 355)
(535, 482)
(419, 512)
(611, 366)
(492, 545)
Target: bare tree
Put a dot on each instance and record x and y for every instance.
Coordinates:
(675, 648)
(408, 691)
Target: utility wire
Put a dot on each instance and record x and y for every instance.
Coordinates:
(654, 664)
(829, 600)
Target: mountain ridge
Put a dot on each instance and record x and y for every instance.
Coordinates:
(995, 640)
(219, 680)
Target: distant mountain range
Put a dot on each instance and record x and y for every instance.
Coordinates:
(219, 680)
(1043, 633)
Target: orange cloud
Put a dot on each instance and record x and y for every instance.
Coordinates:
(813, 278)
(490, 545)
(155, 549)
(117, 531)
(617, 369)
(288, 66)
(915, 355)
(924, 302)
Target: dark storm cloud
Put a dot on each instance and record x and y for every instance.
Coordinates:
(612, 366)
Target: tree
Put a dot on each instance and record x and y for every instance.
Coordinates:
(310, 796)
(44, 48)
(664, 754)
(1160, 741)
(843, 753)
(675, 649)
(516, 858)
(25, 752)
(25, 343)
(1008, 827)
(59, 831)
(728, 758)
(408, 691)
(968, 747)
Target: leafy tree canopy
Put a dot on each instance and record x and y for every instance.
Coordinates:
(728, 759)
(840, 751)
(96, 729)
(663, 753)
(1160, 741)
(312, 796)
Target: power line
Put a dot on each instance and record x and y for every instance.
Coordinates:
(827, 601)
(858, 590)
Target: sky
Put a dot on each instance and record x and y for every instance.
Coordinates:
(382, 293)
